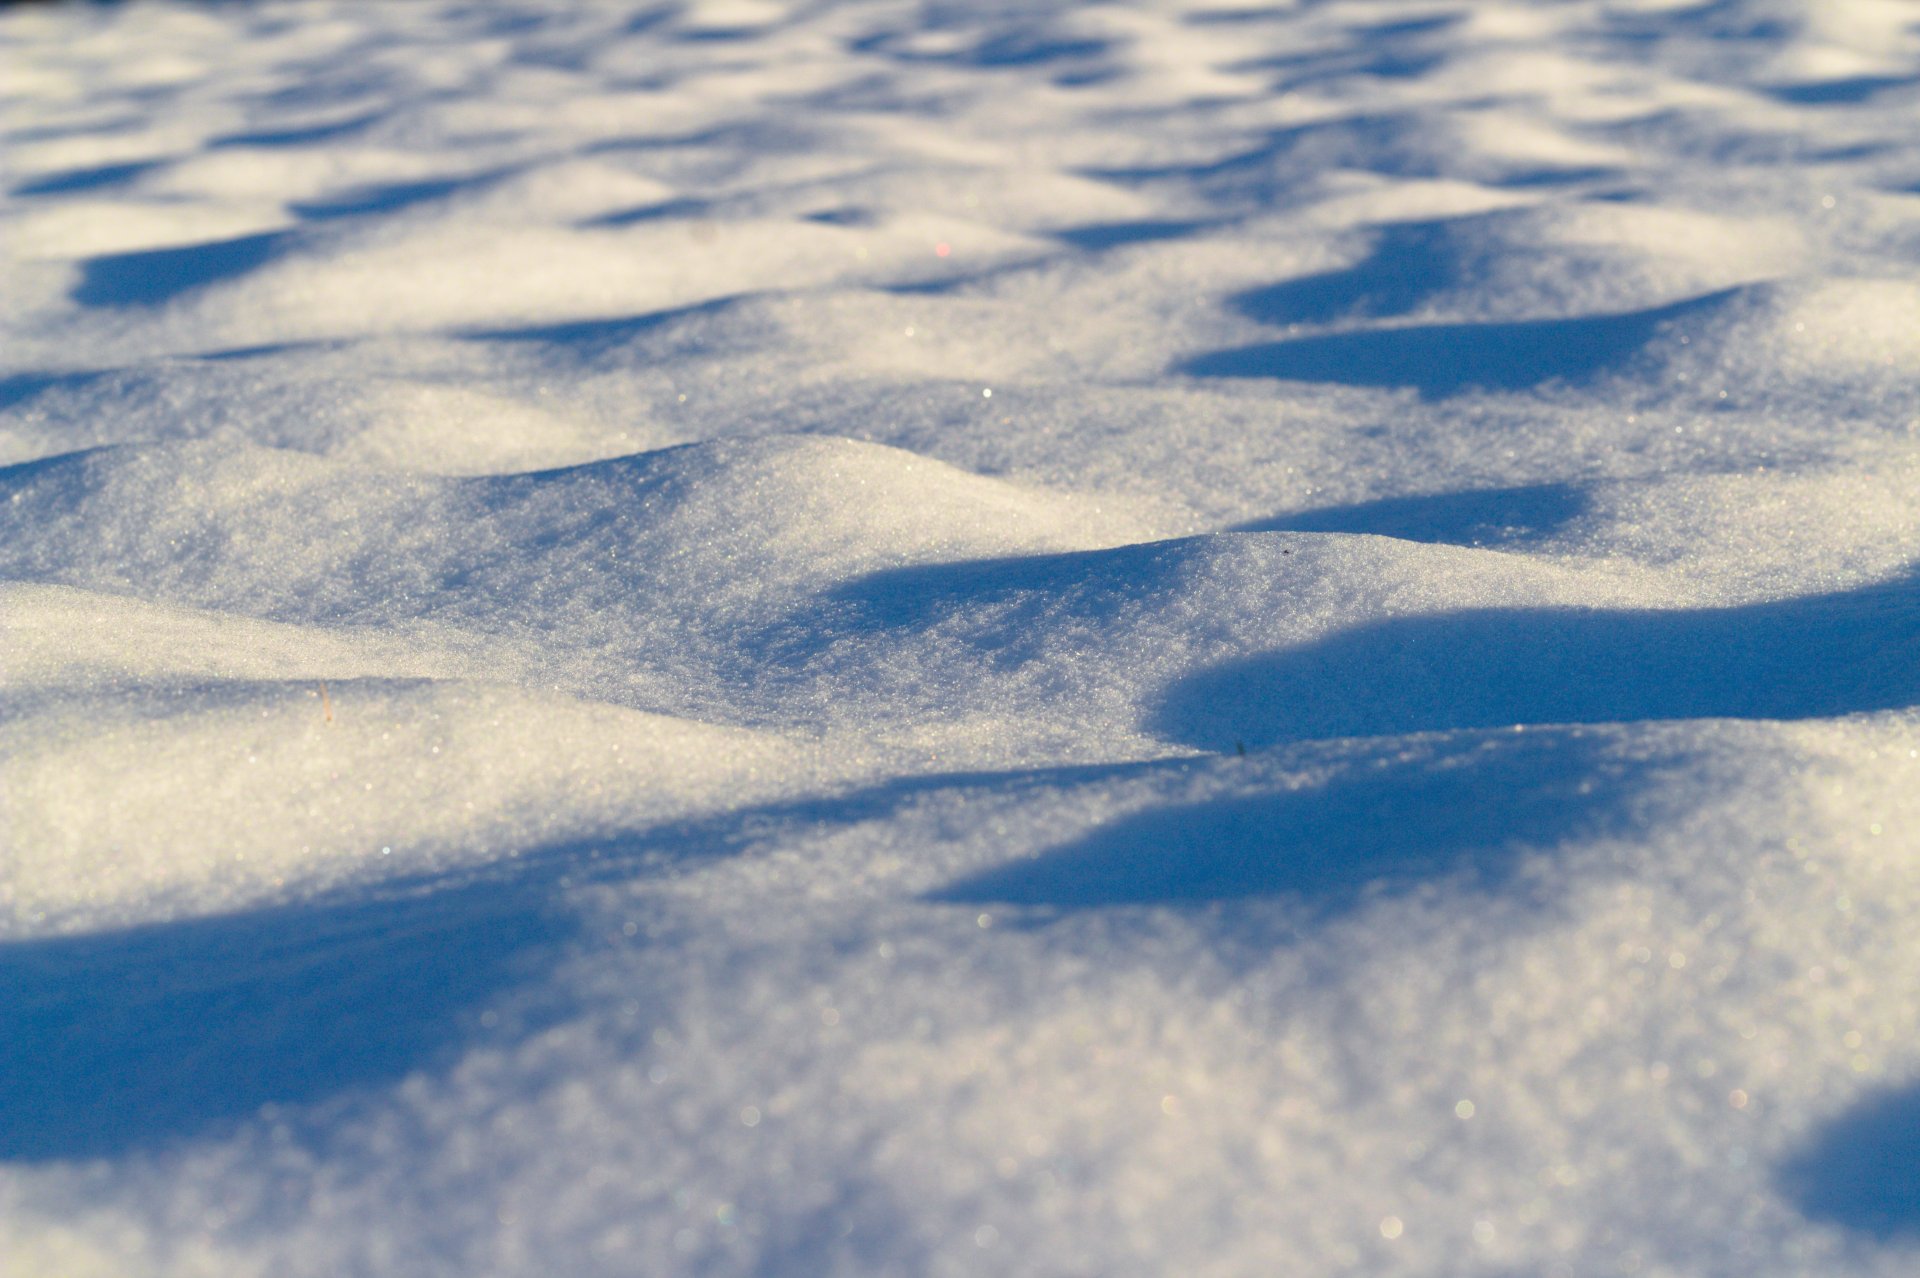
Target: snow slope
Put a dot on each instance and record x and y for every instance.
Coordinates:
(799, 637)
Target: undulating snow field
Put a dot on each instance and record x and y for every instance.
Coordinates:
(1180, 637)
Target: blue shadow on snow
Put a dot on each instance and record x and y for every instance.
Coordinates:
(298, 135)
(141, 1038)
(1371, 829)
(20, 388)
(1014, 47)
(1392, 50)
(1804, 658)
(1478, 517)
(1016, 588)
(587, 338)
(1556, 175)
(1439, 360)
(663, 211)
(390, 198)
(1728, 22)
(1862, 1171)
(1111, 235)
(77, 180)
(151, 277)
(1409, 263)
(1844, 92)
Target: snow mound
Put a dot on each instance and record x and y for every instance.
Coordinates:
(289, 536)
(303, 786)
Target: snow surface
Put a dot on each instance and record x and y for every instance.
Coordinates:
(798, 637)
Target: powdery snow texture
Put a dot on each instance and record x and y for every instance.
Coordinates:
(784, 638)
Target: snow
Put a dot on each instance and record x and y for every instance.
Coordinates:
(801, 637)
